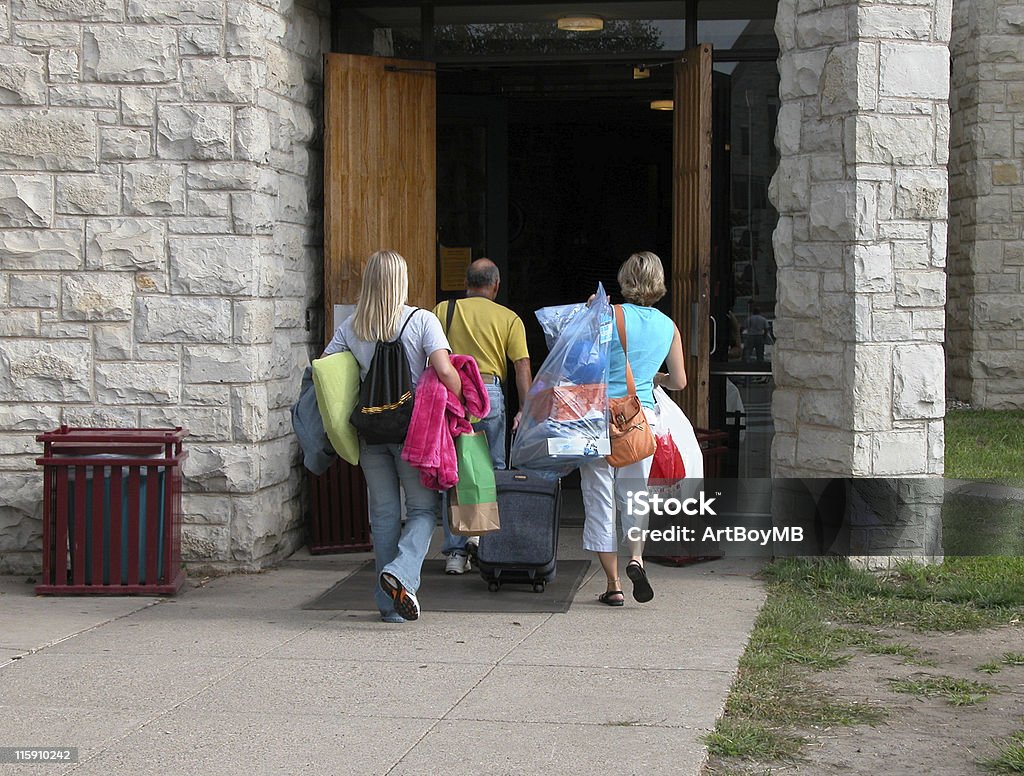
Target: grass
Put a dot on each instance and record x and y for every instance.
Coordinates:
(771, 695)
(902, 650)
(813, 621)
(1010, 758)
(741, 738)
(816, 612)
(959, 594)
(991, 667)
(982, 526)
(985, 445)
(956, 692)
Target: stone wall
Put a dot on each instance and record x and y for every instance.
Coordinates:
(159, 248)
(861, 191)
(894, 521)
(985, 323)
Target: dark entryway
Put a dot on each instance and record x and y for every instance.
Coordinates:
(585, 185)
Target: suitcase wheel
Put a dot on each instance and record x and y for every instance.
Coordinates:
(538, 587)
(494, 585)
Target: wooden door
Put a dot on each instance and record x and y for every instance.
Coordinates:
(691, 228)
(379, 173)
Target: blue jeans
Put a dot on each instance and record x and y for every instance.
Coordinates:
(399, 550)
(494, 427)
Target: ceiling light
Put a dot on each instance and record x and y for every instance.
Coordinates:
(581, 23)
(662, 105)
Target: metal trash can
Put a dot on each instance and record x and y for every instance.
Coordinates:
(112, 511)
(339, 512)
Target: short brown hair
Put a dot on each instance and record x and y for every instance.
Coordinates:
(642, 278)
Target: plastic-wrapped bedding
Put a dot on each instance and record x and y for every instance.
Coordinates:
(553, 319)
(565, 417)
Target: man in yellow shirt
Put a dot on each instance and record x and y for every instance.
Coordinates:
(478, 326)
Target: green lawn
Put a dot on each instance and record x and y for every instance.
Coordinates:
(982, 526)
(985, 445)
(819, 613)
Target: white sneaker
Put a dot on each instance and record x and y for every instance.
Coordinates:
(457, 563)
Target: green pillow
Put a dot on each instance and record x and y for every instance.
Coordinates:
(336, 379)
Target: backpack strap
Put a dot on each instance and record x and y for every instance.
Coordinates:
(450, 316)
(402, 330)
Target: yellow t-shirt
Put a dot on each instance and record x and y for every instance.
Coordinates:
(487, 331)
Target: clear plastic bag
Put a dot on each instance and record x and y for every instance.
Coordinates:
(565, 417)
(553, 320)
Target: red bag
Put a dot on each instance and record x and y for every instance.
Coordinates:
(667, 467)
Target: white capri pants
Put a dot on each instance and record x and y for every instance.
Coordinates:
(605, 488)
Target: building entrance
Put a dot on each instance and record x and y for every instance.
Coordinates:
(552, 159)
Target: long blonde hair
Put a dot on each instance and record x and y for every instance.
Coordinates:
(382, 297)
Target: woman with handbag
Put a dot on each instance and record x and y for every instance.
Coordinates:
(647, 338)
(382, 315)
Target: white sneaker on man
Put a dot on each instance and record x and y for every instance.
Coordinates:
(456, 563)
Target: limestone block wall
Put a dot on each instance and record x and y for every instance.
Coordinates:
(893, 521)
(985, 317)
(159, 247)
(861, 190)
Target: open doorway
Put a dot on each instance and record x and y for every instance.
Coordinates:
(581, 184)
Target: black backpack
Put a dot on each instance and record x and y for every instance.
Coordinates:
(385, 394)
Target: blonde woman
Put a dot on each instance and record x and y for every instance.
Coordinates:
(381, 313)
(652, 339)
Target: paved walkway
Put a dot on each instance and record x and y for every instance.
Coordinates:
(233, 677)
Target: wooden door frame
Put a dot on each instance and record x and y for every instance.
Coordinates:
(691, 225)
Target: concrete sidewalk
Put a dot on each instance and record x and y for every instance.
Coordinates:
(233, 677)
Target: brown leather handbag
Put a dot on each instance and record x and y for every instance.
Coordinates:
(631, 437)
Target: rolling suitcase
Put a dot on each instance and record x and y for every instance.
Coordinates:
(523, 551)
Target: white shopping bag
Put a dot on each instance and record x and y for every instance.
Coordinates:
(673, 420)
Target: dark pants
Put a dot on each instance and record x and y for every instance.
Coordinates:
(754, 345)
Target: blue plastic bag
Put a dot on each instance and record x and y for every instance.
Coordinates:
(565, 416)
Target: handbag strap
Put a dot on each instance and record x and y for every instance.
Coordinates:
(620, 324)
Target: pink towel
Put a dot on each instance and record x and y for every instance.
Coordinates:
(438, 417)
